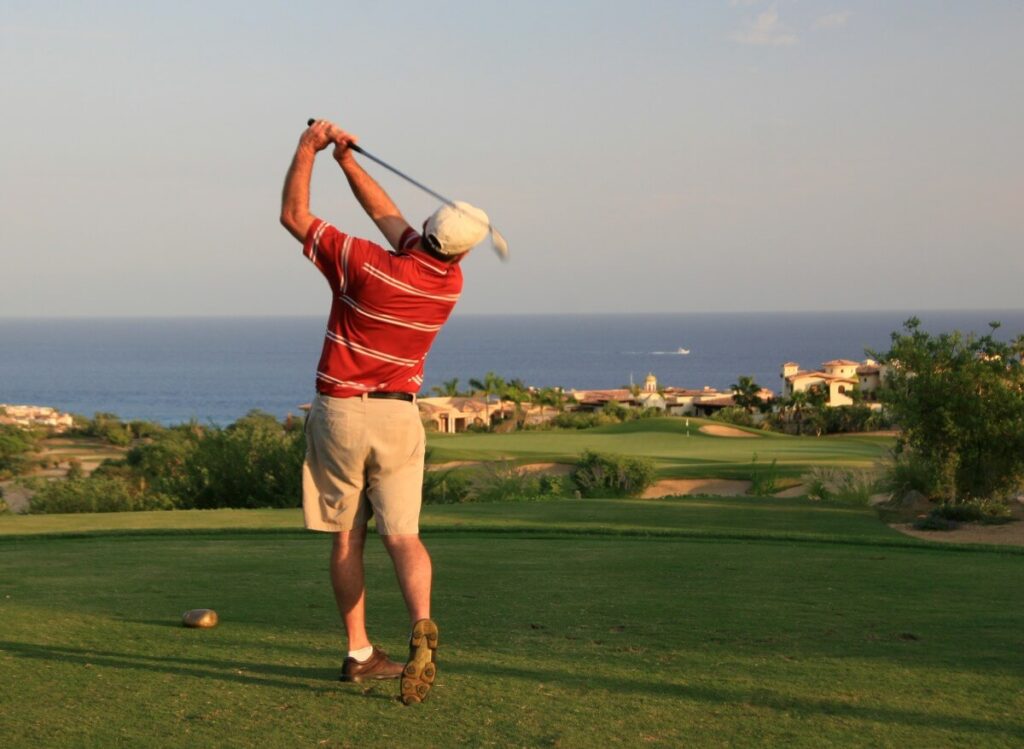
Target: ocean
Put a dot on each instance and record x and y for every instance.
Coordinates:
(172, 370)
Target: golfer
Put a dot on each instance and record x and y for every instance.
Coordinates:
(364, 436)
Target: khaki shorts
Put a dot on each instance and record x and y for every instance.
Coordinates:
(364, 458)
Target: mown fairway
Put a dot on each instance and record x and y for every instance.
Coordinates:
(678, 451)
(574, 624)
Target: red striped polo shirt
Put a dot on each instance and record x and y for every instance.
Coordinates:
(386, 310)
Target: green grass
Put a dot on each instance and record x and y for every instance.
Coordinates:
(665, 440)
(699, 622)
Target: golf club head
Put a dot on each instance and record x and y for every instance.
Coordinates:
(499, 244)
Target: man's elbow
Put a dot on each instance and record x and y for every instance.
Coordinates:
(290, 221)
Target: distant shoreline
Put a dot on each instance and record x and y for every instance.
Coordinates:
(922, 313)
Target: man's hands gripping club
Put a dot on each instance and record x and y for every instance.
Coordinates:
(295, 215)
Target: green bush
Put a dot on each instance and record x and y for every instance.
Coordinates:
(255, 462)
(606, 475)
(4, 508)
(445, 487)
(935, 522)
(107, 427)
(734, 415)
(92, 495)
(15, 444)
(906, 472)
(844, 485)
(504, 482)
(986, 511)
(144, 429)
(252, 463)
(763, 479)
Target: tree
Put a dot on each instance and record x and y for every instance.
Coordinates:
(448, 388)
(490, 385)
(959, 400)
(745, 393)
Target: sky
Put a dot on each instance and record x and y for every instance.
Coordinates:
(727, 155)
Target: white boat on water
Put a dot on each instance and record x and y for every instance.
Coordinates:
(682, 351)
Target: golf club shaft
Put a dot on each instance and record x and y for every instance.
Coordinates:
(403, 175)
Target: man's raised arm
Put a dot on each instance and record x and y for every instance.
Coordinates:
(295, 215)
(370, 195)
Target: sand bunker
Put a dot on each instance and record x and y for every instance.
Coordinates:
(1010, 534)
(718, 430)
(683, 487)
(549, 469)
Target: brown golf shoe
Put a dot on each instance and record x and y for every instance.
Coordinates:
(421, 668)
(377, 666)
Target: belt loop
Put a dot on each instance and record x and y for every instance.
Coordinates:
(365, 397)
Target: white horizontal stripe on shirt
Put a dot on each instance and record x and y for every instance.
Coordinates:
(379, 274)
(427, 265)
(383, 356)
(388, 318)
(345, 383)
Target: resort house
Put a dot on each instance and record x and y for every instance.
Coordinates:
(838, 379)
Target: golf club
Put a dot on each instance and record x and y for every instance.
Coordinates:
(497, 240)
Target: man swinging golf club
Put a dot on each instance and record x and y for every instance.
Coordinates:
(365, 440)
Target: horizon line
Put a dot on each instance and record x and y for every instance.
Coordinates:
(632, 313)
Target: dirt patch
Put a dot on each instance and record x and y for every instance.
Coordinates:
(718, 430)
(15, 496)
(548, 469)
(684, 487)
(1010, 534)
(794, 491)
(451, 464)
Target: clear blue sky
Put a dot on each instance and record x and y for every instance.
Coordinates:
(645, 156)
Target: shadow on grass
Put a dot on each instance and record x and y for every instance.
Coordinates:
(281, 676)
(754, 697)
(239, 672)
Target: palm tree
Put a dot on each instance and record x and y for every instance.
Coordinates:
(448, 388)
(745, 394)
(490, 385)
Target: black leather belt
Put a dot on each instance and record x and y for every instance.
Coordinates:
(393, 396)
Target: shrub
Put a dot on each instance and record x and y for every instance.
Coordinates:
(984, 511)
(143, 429)
(606, 475)
(763, 479)
(255, 462)
(818, 483)
(504, 482)
(92, 495)
(252, 463)
(4, 508)
(75, 470)
(907, 472)
(841, 485)
(15, 443)
(935, 522)
(107, 427)
(734, 415)
(445, 487)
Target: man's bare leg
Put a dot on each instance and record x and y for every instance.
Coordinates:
(413, 568)
(348, 580)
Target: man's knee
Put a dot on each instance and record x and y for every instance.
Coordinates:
(347, 542)
(401, 542)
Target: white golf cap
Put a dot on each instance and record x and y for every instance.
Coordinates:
(457, 229)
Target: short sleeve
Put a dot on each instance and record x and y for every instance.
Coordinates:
(335, 253)
(408, 240)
